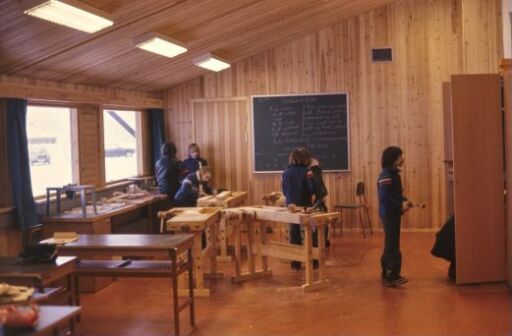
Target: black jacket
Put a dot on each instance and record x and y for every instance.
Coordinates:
(167, 172)
(298, 185)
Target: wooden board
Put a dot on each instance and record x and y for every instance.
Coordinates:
(478, 173)
(194, 218)
(392, 103)
(235, 198)
(278, 214)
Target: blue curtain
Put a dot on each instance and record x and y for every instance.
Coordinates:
(19, 166)
(157, 125)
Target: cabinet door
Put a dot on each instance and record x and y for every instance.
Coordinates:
(507, 90)
(478, 178)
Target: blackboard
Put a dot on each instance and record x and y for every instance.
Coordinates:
(318, 122)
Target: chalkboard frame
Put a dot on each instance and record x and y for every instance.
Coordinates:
(344, 93)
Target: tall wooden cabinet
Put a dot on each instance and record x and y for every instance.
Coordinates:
(478, 178)
(507, 95)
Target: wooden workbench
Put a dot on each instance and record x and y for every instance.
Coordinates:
(198, 221)
(136, 216)
(226, 199)
(258, 245)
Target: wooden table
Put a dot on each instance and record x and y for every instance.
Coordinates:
(14, 272)
(136, 216)
(51, 318)
(197, 221)
(159, 247)
(259, 245)
(226, 199)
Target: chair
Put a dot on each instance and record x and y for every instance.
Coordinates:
(32, 235)
(50, 295)
(361, 207)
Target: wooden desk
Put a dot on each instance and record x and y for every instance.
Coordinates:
(198, 221)
(51, 318)
(226, 199)
(151, 246)
(14, 272)
(136, 216)
(258, 244)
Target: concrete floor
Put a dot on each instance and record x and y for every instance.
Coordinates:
(355, 304)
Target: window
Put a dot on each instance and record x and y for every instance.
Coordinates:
(49, 147)
(121, 132)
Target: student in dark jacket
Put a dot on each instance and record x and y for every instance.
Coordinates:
(192, 187)
(194, 160)
(391, 208)
(167, 170)
(298, 187)
(319, 193)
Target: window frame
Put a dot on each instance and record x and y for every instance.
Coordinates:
(139, 140)
(73, 120)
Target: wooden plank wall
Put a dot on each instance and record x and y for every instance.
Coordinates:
(90, 138)
(398, 103)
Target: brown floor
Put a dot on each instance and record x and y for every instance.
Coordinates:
(355, 304)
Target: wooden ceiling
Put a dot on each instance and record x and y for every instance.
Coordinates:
(233, 29)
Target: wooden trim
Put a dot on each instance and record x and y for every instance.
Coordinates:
(506, 64)
(217, 100)
(34, 89)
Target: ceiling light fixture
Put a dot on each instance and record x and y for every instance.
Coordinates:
(159, 44)
(211, 62)
(70, 13)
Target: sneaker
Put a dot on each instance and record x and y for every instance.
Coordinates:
(395, 281)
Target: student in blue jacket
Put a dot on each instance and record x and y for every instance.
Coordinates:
(297, 184)
(194, 161)
(192, 187)
(391, 209)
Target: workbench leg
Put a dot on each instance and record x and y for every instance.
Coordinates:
(250, 241)
(238, 252)
(212, 239)
(175, 298)
(223, 241)
(321, 252)
(191, 286)
(263, 242)
(308, 254)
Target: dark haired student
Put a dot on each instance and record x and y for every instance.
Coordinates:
(391, 208)
(298, 187)
(168, 170)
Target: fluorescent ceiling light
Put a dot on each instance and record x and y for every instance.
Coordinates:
(159, 44)
(211, 62)
(69, 13)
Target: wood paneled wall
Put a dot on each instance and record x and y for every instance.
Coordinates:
(398, 103)
(90, 139)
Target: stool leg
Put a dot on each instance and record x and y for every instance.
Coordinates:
(361, 221)
(369, 219)
(341, 221)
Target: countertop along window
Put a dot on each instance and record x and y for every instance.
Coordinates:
(49, 147)
(121, 132)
